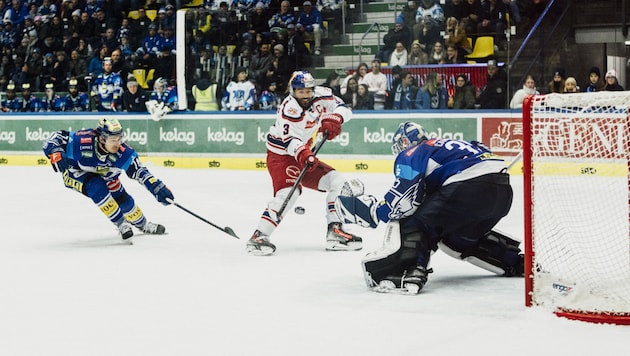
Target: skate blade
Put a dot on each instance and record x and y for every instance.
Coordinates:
(390, 287)
(260, 251)
(338, 246)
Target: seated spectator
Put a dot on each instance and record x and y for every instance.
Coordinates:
(134, 97)
(454, 55)
(331, 11)
(464, 96)
(360, 72)
(432, 95)
(473, 13)
(456, 35)
(611, 81)
(570, 85)
(399, 56)
(280, 20)
(352, 92)
(594, 81)
(494, 94)
(269, 100)
(556, 85)
(430, 10)
(529, 88)
(365, 99)
(417, 56)
(405, 93)
(312, 25)
(398, 34)
(298, 54)
(437, 54)
(332, 82)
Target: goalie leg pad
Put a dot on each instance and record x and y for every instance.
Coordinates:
(495, 252)
(402, 249)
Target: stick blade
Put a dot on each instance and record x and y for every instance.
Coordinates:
(231, 232)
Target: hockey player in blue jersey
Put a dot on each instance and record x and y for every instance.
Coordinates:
(91, 161)
(448, 194)
(75, 100)
(51, 101)
(107, 88)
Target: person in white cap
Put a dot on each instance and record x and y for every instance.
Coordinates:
(612, 84)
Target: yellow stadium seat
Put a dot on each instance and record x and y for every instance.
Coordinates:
(484, 48)
(141, 77)
(151, 14)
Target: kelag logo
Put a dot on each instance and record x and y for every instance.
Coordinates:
(8, 136)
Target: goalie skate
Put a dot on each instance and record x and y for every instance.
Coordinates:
(410, 283)
(339, 240)
(259, 245)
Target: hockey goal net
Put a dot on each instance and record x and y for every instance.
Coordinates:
(576, 163)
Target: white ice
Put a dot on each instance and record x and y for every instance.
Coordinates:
(68, 287)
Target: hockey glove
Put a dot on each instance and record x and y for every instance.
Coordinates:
(161, 192)
(59, 161)
(331, 123)
(359, 210)
(306, 158)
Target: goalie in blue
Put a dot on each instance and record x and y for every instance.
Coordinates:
(91, 161)
(448, 194)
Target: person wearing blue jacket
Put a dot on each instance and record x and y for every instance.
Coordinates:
(448, 194)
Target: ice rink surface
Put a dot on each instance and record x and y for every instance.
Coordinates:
(69, 287)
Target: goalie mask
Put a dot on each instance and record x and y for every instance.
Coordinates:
(160, 85)
(408, 135)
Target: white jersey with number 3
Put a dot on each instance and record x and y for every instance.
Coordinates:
(296, 126)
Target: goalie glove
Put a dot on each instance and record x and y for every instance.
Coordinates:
(59, 161)
(306, 158)
(331, 123)
(156, 109)
(359, 210)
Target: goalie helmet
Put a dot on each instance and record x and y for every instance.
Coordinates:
(160, 85)
(301, 79)
(109, 127)
(408, 135)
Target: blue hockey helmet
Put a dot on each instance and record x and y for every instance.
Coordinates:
(408, 135)
(108, 126)
(301, 79)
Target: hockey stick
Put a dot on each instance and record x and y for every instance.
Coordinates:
(226, 229)
(301, 176)
(514, 160)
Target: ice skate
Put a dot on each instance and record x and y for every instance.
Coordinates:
(410, 282)
(259, 245)
(339, 240)
(153, 228)
(125, 230)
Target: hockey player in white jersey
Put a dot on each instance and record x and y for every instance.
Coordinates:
(307, 110)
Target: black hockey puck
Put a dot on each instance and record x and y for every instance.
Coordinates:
(299, 210)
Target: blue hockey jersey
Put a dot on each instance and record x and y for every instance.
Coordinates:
(423, 169)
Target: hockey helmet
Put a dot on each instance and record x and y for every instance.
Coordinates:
(108, 126)
(160, 85)
(301, 79)
(408, 135)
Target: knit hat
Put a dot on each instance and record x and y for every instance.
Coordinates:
(132, 81)
(611, 73)
(595, 70)
(279, 47)
(560, 72)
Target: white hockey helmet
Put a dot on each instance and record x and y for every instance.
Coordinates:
(108, 126)
(408, 135)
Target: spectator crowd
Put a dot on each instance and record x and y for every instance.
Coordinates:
(84, 55)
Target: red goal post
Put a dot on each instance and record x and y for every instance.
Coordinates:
(576, 164)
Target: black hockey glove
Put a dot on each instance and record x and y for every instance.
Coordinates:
(59, 161)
